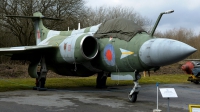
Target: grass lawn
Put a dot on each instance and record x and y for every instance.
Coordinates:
(59, 83)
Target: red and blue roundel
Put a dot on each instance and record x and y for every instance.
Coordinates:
(109, 55)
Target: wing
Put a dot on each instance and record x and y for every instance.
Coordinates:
(26, 52)
(192, 59)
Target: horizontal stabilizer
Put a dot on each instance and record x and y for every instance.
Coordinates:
(33, 17)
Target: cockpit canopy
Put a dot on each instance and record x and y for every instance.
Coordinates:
(121, 28)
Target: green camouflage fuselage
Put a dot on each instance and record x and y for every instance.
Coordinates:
(125, 54)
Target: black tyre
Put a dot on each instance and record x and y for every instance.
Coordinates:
(133, 97)
(42, 85)
(42, 82)
(101, 81)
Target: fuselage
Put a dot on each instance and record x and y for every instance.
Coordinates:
(124, 56)
(116, 54)
(79, 53)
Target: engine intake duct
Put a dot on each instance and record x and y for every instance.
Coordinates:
(86, 48)
(79, 48)
(89, 47)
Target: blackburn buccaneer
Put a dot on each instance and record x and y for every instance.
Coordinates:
(117, 48)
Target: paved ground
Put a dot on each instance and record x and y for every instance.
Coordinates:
(113, 99)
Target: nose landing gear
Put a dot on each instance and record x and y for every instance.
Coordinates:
(132, 96)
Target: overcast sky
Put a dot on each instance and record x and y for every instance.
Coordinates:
(186, 12)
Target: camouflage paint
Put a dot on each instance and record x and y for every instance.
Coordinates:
(72, 50)
(126, 64)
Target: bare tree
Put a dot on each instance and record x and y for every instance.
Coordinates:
(22, 29)
(101, 14)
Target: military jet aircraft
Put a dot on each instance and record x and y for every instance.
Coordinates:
(118, 48)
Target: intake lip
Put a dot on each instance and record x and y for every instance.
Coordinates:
(89, 47)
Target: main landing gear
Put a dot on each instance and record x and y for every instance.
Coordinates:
(132, 96)
(101, 80)
(40, 81)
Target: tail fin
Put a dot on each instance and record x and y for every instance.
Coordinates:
(39, 28)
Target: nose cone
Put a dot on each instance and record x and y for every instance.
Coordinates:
(161, 52)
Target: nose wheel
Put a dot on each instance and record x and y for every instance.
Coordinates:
(132, 96)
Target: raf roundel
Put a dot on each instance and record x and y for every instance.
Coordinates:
(109, 55)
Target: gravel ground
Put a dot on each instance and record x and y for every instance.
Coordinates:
(90, 99)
